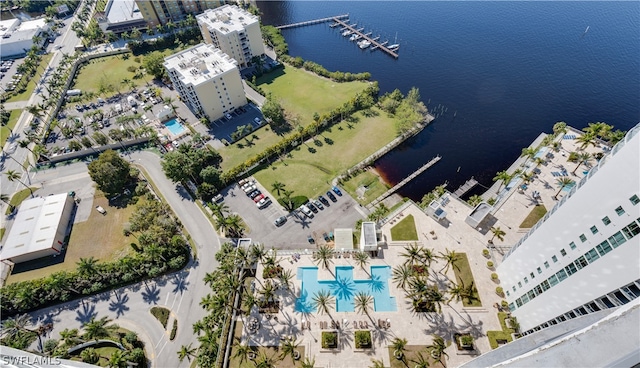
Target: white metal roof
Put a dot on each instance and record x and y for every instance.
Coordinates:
(343, 238)
(199, 63)
(227, 19)
(35, 226)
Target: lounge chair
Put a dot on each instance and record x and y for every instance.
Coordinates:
(308, 325)
(303, 325)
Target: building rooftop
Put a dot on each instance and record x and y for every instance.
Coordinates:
(12, 30)
(197, 64)
(343, 238)
(118, 11)
(226, 19)
(35, 226)
(369, 234)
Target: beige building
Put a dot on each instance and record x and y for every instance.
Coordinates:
(162, 11)
(234, 31)
(207, 79)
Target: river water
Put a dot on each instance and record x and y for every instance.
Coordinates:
(507, 70)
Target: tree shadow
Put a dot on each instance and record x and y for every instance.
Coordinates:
(86, 312)
(180, 282)
(345, 339)
(317, 142)
(119, 304)
(183, 193)
(328, 141)
(376, 284)
(343, 288)
(380, 334)
(151, 295)
(311, 149)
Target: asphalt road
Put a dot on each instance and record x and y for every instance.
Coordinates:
(130, 306)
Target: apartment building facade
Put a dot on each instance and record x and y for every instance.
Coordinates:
(207, 80)
(161, 12)
(234, 31)
(583, 256)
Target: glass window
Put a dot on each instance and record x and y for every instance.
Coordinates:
(531, 294)
(634, 290)
(605, 300)
(514, 288)
(581, 262)
(572, 245)
(546, 265)
(526, 280)
(538, 290)
(620, 211)
(621, 297)
(594, 230)
(519, 284)
(507, 292)
(512, 307)
(631, 230)
(591, 255)
(604, 248)
(554, 259)
(545, 285)
(634, 200)
(553, 280)
(561, 275)
(525, 298)
(617, 239)
(583, 238)
(563, 252)
(539, 270)
(605, 220)
(532, 276)
(519, 302)
(571, 268)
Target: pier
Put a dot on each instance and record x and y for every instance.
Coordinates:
(314, 21)
(465, 187)
(374, 41)
(422, 169)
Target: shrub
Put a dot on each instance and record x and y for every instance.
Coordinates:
(499, 291)
(504, 304)
(329, 340)
(271, 272)
(466, 340)
(490, 264)
(363, 339)
(494, 276)
(174, 330)
(485, 252)
(161, 314)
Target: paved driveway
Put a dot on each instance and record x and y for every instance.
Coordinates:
(293, 234)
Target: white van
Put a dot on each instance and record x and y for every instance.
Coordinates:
(306, 211)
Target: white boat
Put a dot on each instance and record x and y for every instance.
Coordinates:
(364, 44)
(394, 46)
(353, 37)
(346, 33)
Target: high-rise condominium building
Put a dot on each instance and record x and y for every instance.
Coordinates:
(207, 80)
(234, 31)
(163, 11)
(583, 256)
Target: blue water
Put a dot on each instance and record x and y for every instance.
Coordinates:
(509, 70)
(344, 288)
(175, 127)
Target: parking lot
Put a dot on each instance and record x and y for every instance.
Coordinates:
(223, 128)
(293, 234)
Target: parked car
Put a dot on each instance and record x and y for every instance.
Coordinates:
(306, 211)
(218, 198)
(312, 207)
(323, 200)
(331, 196)
(258, 121)
(258, 198)
(326, 237)
(280, 221)
(264, 202)
(337, 191)
(249, 189)
(254, 194)
(318, 204)
(228, 116)
(310, 239)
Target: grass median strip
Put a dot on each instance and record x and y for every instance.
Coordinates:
(26, 94)
(405, 229)
(5, 130)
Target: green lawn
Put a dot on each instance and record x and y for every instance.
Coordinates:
(18, 197)
(309, 168)
(5, 131)
(240, 151)
(411, 354)
(269, 351)
(505, 334)
(536, 214)
(302, 93)
(32, 83)
(366, 179)
(464, 277)
(110, 68)
(404, 230)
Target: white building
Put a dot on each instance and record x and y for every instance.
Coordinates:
(121, 16)
(207, 80)
(234, 31)
(16, 36)
(583, 256)
(39, 228)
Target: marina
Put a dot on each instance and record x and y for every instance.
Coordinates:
(313, 21)
(367, 40)
(464, 188)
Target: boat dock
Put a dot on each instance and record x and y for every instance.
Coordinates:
(422, 169)
(313, 21)
(465, 187)
(374, 41)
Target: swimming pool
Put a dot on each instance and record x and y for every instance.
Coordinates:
(344, 288)
(175, 127)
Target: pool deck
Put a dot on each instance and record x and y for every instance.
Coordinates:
(452, 234)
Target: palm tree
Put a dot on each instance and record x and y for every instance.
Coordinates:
(528, 152)
(420, 360)
(474, 200)
(117, 360)
(582, 158)
(323, 302)
(308, 363)
(323, 256)
(402, 275)
(376, 363)
(242, 352)
(363, 302)
(450, 257)
(278, 187)
(249, 301)
(186, 352)
(562, 183)
(497, 233)
(13, 175)
(257, 252)
(14, 325)
(286, 196)
(234, 225)
(98, 329)
(437, 348)
(435, 299)
(560, 128)
(88, 266)
(219, 209)
(615, 137)
(399, 345)
(586, 139)
(413, 254)
(285, 277)
(362, 259)
(289, 347)
(502, 176)
(90, 356)
(5, 198)
(427, 256)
